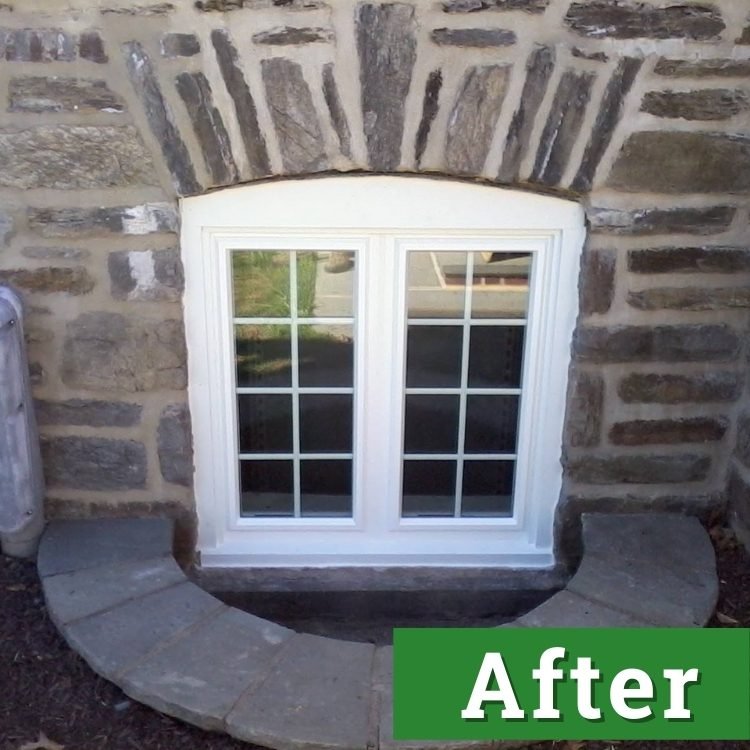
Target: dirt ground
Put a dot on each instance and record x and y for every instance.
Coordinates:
(50, 699)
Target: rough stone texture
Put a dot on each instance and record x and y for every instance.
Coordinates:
(284, 35)
(742, 450)
(429, 112)
(744, 37)
(665, 431)
(539, 67)
(160, 118)
(93, 463)
(97, 222)
(472, 121)
(563, 126)
(108, 351)
(55, 253)
(638, 469)
(37, 375)
(148, 275)
(665, 388)
(74, 156)
(474, 37)
(738, 500)
(244, 105)
(683, 162)
(647, 221)
(37, 45)
(701, 104)
(583, 423)
(179, 45)
(223, 6)
(596, 285)
(584, 55)
(91, 47)
(691, 298)
(294, 116)
(89, 412)
(473, 6)
(387, 49)
(49, 280)
(155, 9)
(633, 20)
(208, 125)
(609, 115)
(336, 110)
(175, 445)
(569, 610)
(7, 228)
(43, 94)
(706, 68)
(706, 259)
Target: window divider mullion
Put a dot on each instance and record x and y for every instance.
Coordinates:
(468, 286)
(295, 382)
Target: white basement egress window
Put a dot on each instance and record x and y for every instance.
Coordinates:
(378, 368)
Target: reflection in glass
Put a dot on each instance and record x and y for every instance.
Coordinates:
(326, 488)
(431, 424)
(326, 356)
(265, 423)
(436, 284)
(325, 424)
(500, 285)
(487, 488)
(266, 488)
(495, 356)
(324, 284)
(260, 284)
(428, 488)
(433, 356)
(491, 424)
(264, 355)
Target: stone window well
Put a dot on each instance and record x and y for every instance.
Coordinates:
(378, 369)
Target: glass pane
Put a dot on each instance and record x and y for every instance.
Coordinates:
(433, 356)
(325, 423)
(260, 283)
(491, 424)
(431, 424)
(326, 488)
(495, 356)
(265, 423)
(267, 488)
(501, 285)
(429, 488)
(324, 284)
(264, 355)
(487, 488)
(326, 356)
(436, 284)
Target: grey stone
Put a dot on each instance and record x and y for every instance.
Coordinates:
(742, 451)
(75, 156)
(583, 424)
(569, 610)
(132, 9)
(91, 47)
(7, 228)
(638, 469)
(683, 162)
(109, 351)
(93, 463)
(37, 375)
(76, 545)
(336, 110)
(738, 505)
(665, 431)
(148, 275)
(633, 20)
(55, 253)
(82, 593)
(691, 298)
(744, 37)
(224, 6)
(563, 126)
(293, 710)
(474, 37)
(706, 259)
(179, 45)
(701, 104)
(664, 388)
(115, 640)
(647, 221)
(200, 677)
(294, 116)
(208, 125)
(74, 281)
(387, 46)
(596, 285)
(89, 412)
(582, 54)
(473, 6)
(285, 35)
(147, 218)
(175, 445)
(57, 94)
(244, 105)
(676, 343)
(160, 118)
(610, 113)
(37, 45)
(429, 111)
(472, 122)
(706, 68)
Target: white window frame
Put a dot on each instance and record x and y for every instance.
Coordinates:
(381, 219)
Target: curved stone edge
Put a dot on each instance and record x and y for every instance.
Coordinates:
(119, 599)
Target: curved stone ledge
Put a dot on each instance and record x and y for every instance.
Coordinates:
(120, 600)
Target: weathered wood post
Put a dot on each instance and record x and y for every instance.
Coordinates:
(21, 479)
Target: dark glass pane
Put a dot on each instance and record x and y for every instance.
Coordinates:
(265, 423)
(501, 285)
(429, 488)
(264, 355)
(325, 423)
(495, 356)
(324, 284)
(260, 283)
(431, 424)
(433, 356)
(326, 488)
(266, 488)
(487, 488)
(436, 285)
(326, 356)
(491, 424)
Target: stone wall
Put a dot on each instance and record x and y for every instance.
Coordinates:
(111, 110)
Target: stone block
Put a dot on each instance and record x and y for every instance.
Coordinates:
(742, 450)
(482, 38)
(596, 285)
(7, 228)
(705, 68)
(473, 6)
(147, 275)
(706, 259)
(648, 221)
(691, 298)
(336, 110)
(175, 445)
(74, 281)
(286, 35)
(224, 6)
(583, 424)
(665, 388)
(666, 431)
(701, 104)
(569, 610)
(738, 504)
(638, 469)
(59, 94)
(91, 47)
(89, 412)
(37, 45)
(179, 45)
(132, 9)
(430, 106)
(56, 253)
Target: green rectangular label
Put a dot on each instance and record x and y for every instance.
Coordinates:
(516, 683)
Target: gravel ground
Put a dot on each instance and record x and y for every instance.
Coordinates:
(51, 700)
